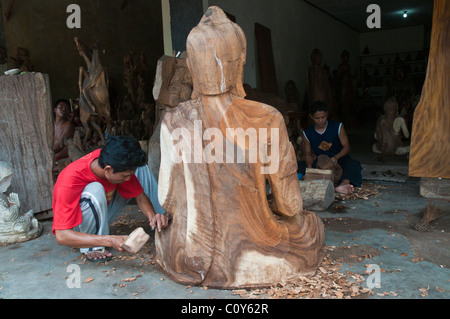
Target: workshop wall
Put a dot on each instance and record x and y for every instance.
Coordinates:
(119, 25)
(296, 29)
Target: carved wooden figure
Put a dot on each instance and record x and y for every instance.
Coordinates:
(344, 87)
(223, 233)
(389, 131)
(318, 84)
(172, 85)
(94, 94)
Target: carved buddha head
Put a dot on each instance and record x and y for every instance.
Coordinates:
(216, 50)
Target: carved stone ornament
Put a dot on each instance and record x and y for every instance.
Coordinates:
(14, 226)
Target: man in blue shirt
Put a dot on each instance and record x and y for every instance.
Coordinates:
(330, 138)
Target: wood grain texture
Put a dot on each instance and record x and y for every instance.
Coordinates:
(430, 147)
(26, 137)
(223, 233)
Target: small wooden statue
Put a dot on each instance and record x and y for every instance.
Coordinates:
(390, 130)
(318, 84)
(223, 233)
(343, 85)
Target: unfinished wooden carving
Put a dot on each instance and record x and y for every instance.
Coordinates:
(223, 233)
(94, 94)
(172, 86)
(390, 130)
(324, 162)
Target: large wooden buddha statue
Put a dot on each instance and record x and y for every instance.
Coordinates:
(219, 152)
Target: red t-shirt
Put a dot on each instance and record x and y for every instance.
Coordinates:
(70, 184)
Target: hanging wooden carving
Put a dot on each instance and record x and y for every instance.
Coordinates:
(94, 94)
(224, 233)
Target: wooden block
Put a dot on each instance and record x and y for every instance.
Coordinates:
(436, 188)
(317, 195)
(313, 174)
(136, 240)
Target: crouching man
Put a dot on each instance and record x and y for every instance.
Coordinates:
(90, 192)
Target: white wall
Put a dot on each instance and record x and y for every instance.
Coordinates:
(296, 28)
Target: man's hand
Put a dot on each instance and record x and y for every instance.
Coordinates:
(71, 238)
(117, 242)
(159, 221)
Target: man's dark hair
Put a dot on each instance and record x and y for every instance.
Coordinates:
(62, 100)
(318, 106)
(122, 153)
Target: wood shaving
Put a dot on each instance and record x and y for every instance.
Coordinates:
(327, 282)
(364, 192)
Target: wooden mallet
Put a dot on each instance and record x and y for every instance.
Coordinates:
(136, 240)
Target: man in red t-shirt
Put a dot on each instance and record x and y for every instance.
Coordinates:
(90, 192)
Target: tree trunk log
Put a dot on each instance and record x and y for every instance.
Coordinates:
(26, 138)
(430, 147)
(317, 195)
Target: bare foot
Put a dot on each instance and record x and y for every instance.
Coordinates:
(99, 256)
(344, 189)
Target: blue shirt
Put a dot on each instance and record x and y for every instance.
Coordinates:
(327, 142)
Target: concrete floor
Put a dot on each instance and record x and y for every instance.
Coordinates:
(412, 264)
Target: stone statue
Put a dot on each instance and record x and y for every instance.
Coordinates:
(14, 226)
(390, 131)
(224, 233)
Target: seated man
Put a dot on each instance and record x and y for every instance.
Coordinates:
(64, 129)
(90, 192)
(329, 138)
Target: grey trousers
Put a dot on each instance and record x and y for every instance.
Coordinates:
(98, 214)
